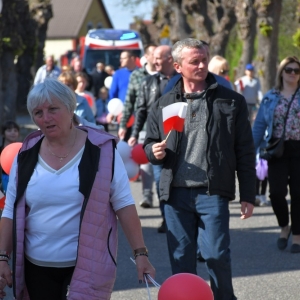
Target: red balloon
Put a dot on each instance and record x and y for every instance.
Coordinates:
(185, 286)
(8, 155)
(138, 154)
(129, 123)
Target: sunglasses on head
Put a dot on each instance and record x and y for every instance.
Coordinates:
(289, 70)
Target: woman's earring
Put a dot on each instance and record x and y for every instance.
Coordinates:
(71, 125)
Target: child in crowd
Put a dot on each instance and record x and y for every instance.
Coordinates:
(10, 134)
(101, 105)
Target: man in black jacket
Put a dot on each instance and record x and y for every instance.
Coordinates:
(98, 76)
(199, 165)
(151, 89)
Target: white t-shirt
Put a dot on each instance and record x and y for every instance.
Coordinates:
(54, 202)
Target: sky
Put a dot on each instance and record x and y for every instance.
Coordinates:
(122, 16)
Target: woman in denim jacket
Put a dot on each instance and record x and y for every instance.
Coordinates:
(283, 171)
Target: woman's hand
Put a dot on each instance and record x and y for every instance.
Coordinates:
(143, 266)
(5, 278)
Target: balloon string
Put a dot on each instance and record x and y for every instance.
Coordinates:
(148, 290)
(148, 276)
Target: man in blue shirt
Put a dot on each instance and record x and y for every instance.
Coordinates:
(121, 77)
(120, 82)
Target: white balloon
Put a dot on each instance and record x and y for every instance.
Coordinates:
(143, 61)
(124, 150)
(115, 106)
(108, 81)
(132, 168)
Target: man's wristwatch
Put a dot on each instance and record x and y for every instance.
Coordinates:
(140, 252)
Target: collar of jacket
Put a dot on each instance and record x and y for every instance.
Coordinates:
(210, 80)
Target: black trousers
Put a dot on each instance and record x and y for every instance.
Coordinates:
(47, 283)
(261, 186)
(284, 172)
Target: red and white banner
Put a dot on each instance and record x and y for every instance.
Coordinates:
(173, 116)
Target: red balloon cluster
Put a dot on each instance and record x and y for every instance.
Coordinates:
(8, 155)
(185, 286)
(138, 154)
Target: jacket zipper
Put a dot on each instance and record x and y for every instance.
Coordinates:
(81, 217)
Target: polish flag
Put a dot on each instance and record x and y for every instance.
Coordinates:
(173, 116)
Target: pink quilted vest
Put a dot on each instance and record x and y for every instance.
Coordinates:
(95, 271)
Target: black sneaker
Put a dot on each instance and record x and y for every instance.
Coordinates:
(162, 228)
(146, 203)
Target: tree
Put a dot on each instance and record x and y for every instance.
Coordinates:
(11, 47)
(20, 29)
(246, 16)
(268, 19)
(214, 19)
(41, 11)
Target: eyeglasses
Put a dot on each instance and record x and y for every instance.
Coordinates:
(224, 72)
(290, 70)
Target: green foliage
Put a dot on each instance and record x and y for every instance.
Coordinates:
(234, 51)
(296, 39)
(288, 29)
(265, 29)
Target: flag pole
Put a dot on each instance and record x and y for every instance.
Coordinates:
(168, 135)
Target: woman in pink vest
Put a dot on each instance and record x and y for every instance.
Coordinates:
(66, 188)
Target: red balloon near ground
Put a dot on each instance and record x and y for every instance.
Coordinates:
(138, 154)
(185, 286)
(8, 155)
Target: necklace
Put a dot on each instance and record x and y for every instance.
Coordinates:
(61, 158)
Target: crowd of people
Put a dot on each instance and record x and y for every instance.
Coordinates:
(226, 127)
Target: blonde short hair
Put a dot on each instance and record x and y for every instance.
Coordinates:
(218, 65)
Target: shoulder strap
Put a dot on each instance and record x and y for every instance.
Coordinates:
(287, 113)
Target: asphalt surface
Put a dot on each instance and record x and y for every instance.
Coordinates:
(260, 271)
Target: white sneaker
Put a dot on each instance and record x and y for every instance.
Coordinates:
(257, 200)
(263, 200)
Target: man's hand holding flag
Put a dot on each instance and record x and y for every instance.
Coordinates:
(173, 117)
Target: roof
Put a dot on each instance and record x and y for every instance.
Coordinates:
(68, 17)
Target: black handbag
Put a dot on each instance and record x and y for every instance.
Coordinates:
(275, 147)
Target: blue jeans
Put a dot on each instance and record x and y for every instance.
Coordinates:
(156, 172)
(187, 212)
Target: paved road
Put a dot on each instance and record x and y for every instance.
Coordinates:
(260, 271)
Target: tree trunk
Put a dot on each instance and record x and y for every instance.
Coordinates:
(214, 19)
(1, 95)
(42, 13)
(268, 18)
(25, 79)
(227, 21)
(9, 85)
(180, 29)
(246, 16)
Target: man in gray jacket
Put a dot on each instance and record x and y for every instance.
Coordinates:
(199, 164)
